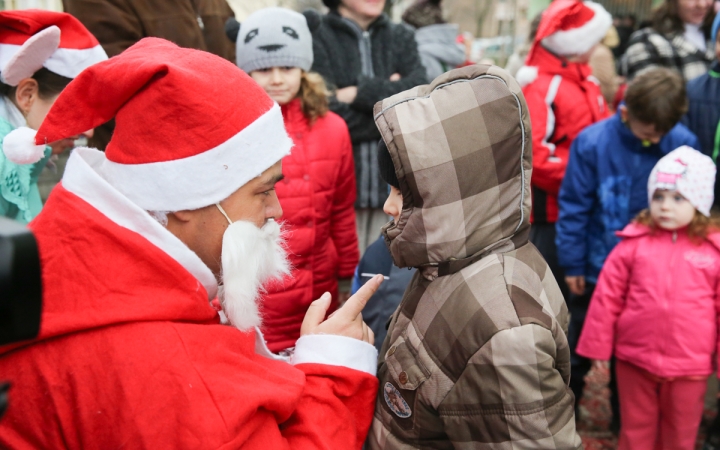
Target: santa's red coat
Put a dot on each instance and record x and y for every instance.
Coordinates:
(131, 355)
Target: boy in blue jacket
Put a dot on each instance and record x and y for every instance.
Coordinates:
(605, 186)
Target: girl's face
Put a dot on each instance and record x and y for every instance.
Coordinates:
(670, 210)
(693, 11)
(281, 83)
(394, 204)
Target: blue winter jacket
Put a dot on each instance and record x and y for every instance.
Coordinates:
(604, 188)
(386, 299)
(703, 116)
(704, 108)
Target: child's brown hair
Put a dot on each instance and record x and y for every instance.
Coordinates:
(657, 96)
(313, 95)
(698, 229)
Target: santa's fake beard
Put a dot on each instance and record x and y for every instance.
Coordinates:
(251, 256)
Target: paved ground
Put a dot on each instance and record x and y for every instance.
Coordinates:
(595, 415)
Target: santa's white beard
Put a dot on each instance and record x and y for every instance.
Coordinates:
(251, 256)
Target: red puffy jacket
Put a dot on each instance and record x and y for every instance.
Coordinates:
(317, 196)
(563, 99)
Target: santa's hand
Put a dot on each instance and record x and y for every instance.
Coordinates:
(346, 321)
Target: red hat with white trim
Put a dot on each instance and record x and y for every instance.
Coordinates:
(190, 127)
(567, 27)
(33, 38)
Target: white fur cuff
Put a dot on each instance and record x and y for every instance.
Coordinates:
(336, 351)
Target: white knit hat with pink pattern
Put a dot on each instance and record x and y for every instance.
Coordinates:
(689, 172)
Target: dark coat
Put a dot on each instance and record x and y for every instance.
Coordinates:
(336, 47)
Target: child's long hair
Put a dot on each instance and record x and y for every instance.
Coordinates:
(313, 95)
(697, 230)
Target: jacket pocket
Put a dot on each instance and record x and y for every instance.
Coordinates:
(402, 375)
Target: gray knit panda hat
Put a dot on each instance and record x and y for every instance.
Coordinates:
(274, 37)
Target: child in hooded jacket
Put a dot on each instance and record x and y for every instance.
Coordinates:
(656, 307)
(274, 46)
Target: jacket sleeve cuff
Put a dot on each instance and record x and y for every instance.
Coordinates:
(336, 351)
(574, 271)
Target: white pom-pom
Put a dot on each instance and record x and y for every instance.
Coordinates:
(19, 146)
(526, 75)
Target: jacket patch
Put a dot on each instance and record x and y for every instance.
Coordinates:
(699, 260)
(396, 402)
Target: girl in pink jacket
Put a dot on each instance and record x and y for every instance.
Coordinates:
(656, 307)
(317, 193)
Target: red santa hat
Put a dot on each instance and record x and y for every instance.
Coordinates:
(191, 128)
(31, 39)
(567, 27)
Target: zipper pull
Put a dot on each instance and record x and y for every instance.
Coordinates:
(674, 236)
(366, 34)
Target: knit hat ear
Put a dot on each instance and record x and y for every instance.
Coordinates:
(313, 19)
(232, 28)
(688, 172)
(172, 149)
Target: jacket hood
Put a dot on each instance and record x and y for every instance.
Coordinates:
(461, 147)
(443, 32)
(440, 42)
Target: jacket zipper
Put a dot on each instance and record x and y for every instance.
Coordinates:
(666, 304)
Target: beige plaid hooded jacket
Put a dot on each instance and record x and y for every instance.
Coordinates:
(476, 355)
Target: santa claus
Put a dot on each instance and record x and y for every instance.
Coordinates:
(135, 245)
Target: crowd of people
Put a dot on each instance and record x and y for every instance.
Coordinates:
(313, 230)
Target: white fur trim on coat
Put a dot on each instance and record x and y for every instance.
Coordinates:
(206, 178)
(579, 40)
(336, 351)
(526, 75)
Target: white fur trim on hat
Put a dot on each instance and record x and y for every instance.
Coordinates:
(526, 75)
(68, 62)
(579, 40)
(30, 57)
(688, 172)
(19, 146)
(206, 178)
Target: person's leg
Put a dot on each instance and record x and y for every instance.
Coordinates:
(542, 235)
(579, 365)
(639, 408)
(362, 216)
(614, 399)
(379, 219)
(681, 408)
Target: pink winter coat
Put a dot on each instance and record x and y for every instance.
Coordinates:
(656, 303)
(317, 196)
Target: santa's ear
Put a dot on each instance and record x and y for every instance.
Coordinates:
(232, 29)
(313, 19)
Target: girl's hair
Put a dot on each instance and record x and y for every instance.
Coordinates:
(49, 83)
(699, 227)
(666, 20)
(313, 95)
